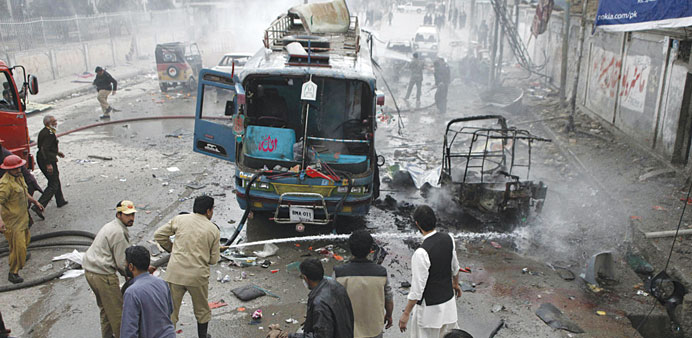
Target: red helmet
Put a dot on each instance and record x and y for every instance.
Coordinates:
(12, 162)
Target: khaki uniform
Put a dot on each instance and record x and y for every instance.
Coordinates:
(102, 97)
(196, 247)
(14, 204)
(102, 260)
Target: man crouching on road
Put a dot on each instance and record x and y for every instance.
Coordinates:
(196, 247)
(14, 214)
(329, 312)
(435, 280)
(102, 260)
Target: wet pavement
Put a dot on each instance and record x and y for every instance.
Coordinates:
(152, 163)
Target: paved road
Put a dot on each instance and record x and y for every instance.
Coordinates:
(145, 155)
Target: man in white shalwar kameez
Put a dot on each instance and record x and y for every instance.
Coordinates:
(434, 283)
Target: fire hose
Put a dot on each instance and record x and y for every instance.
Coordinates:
(4, 251)
(134, 119)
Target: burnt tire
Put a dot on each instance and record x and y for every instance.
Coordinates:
(191, 84)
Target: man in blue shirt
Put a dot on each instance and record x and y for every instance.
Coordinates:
(147, 304)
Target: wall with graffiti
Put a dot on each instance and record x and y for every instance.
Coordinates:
(639, 86)
(632, 81)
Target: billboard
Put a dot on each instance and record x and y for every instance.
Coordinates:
(634, 15)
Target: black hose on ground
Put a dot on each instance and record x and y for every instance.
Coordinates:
(65, 233)
(54, 275)
(71, 244)
(5, 251)
(34, 282)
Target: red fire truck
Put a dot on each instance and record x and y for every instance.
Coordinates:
(13, 127)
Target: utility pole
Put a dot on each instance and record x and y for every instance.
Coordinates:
(493, 52)
(472, 19)
(9, 9)
(498, 77)
(582, 36)
(565, 55)
(516, 15)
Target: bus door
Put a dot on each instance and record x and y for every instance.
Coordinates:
(218, 99)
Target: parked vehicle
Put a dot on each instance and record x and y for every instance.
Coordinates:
(177, 64)
(232, 62)
(413, 6)
(303, 120)
(13, 126)
(397, 54)
(427, 41)
(486, 166)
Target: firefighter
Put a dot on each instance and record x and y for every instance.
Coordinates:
(106, 257)
(14, 214)
(196, 246)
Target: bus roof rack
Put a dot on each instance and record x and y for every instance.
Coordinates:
(322, 34)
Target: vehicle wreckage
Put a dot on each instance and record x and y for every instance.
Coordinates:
(483, 164)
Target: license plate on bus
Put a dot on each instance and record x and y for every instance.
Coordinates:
(299, 215)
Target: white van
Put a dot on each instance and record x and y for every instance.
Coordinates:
(427, 41)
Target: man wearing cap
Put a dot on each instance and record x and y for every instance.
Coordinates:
(14, 213)
(29, 178)
(196, 247)
(105, 85)
(102, 260)
(47, 158)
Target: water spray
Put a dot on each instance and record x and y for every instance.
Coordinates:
(380, 236)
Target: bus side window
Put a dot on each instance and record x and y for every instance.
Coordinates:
(215, 104)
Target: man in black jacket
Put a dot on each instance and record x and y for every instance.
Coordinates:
(47, 158)
(329, 313)
(105, 85)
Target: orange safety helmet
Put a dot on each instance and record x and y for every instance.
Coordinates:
(12, 162)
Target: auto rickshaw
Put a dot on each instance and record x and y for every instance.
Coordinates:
(177, 64)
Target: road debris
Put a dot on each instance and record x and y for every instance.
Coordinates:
(556, 319)
(248, 292)
(268, 251)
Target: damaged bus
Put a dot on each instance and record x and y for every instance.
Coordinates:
(299, 120)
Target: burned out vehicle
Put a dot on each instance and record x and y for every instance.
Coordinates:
(486, 165)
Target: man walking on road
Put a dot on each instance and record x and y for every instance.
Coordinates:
(434, 282)
(147, 305)
(416, 71)
(102, 260)
(105, 85)
(368, 288)
(14, 214)
(329, 312)
(196, 247)
(47, 158)
(442, 79)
